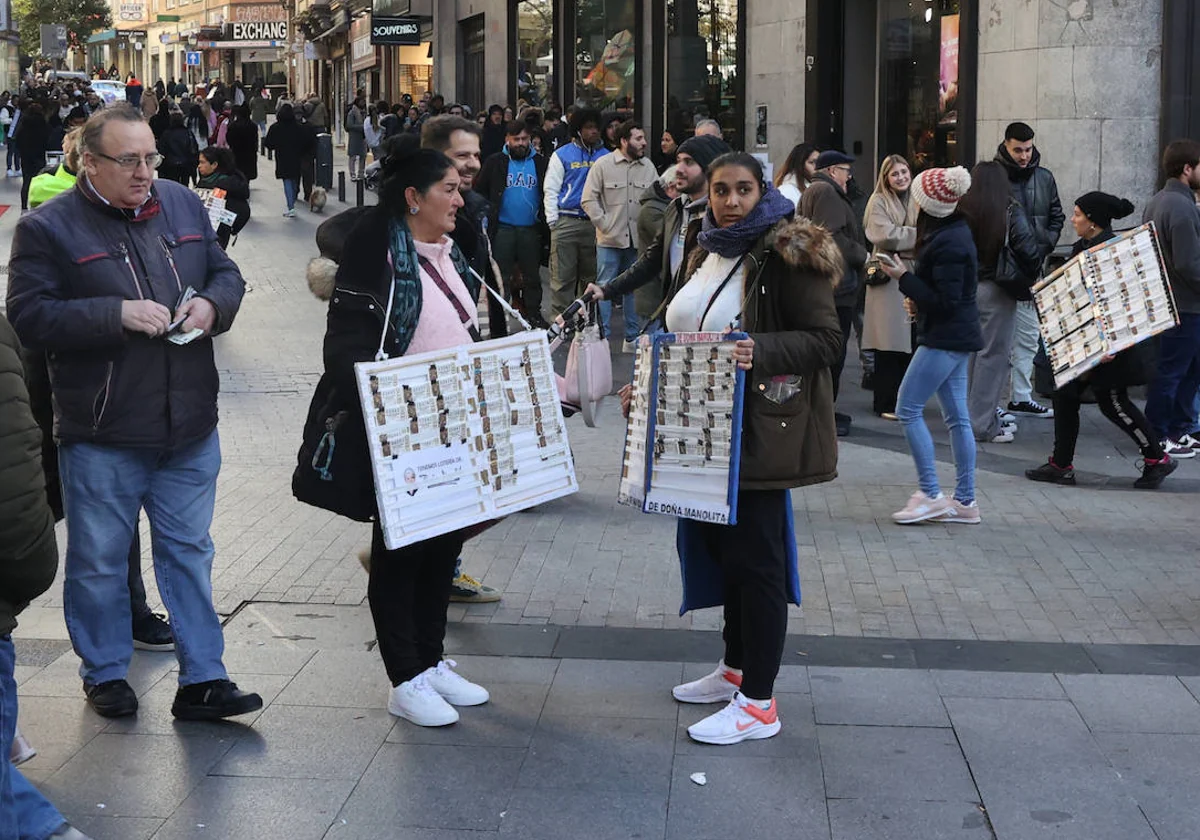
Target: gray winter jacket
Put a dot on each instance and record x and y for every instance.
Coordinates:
(1173, 211)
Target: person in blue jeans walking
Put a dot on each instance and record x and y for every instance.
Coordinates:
(28, 563)
(941, 294)
(612, 199)
(122, 282)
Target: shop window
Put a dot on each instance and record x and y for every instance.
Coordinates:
(704, 73)
(535, 51)
(605, 54)
(919, 82)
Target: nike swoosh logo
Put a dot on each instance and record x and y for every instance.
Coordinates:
(741, 728)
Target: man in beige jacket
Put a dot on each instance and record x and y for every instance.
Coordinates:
(612, 199)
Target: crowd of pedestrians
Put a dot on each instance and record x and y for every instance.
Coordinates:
(933, 269)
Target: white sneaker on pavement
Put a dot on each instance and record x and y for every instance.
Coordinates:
(742, 720)
(453, 687)
(920, 508)
(417, 701)
(1177, 450)
(962, 514)
(21, 749)
(718, 687)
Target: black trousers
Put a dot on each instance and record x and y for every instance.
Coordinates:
(754, 561)
(890, 368)
(409, 590)
(846, 321)
(29, 171)
(1115, 405)
(308, 173)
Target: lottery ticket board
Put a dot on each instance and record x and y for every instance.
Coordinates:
(1103, 301)
(214, 202)
(464, 435)
(683, 441)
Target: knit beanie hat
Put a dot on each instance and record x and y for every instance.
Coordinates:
(703, 149)
(1102, 207)
(937, 191)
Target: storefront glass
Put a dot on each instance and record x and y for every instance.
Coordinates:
(605, 54)
(703, 70)
(535, 51)
(919, 81)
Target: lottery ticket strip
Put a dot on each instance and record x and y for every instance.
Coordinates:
(683, 440)
(465, 435)
(214, 202)
(1103, 301)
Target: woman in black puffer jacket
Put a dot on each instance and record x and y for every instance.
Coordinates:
(217, 172)
(1109, 381)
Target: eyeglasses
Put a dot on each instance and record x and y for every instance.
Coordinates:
(132, 162)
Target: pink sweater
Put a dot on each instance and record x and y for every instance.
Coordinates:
(439, 326)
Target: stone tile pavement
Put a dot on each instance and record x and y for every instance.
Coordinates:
(1097, 563)
(598, 748)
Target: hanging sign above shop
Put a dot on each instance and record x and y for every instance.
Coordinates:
(260, 22)
(405, 31)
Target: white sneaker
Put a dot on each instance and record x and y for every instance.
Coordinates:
(1006, 417)
(629, 347)
(1177, 450)
(455, 689)
(1007, 434)
(963, 514)
(718, 687)
(21, 749)
(416, 700)
(920, 507)
(741, 720)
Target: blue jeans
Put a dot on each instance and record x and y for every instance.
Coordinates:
(1171, 398)
(103, 489)
(24, 813)
(941, 372)
(290, 188)
(611, 262)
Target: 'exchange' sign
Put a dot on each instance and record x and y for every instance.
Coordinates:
(261, 30)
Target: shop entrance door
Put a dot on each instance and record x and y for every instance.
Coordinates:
(472, 87)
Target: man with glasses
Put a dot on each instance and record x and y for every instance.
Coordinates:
(120, 280)
(827, 204)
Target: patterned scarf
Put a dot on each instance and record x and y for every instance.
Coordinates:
(738, 238)
(406, 274)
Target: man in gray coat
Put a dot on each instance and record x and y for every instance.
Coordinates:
(1171, 397)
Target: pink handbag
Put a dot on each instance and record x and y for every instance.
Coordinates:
(589, 368)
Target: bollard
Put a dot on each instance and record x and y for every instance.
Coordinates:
(359, 189)
(342, 187)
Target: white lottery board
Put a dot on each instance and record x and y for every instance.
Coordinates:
(214, 202)
(464, 435)
(1103, 301)
(683, 441)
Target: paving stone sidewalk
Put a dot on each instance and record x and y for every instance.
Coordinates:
(1096, 563)
(598, 749)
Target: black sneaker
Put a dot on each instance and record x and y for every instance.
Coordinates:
(1153, 473)
(213, 700)
(111, 699)
(1052, 474)
(1029, 408)
(152, 632)
(842, 422)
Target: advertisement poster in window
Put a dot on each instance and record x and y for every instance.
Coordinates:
(760, 126)
(948, 85)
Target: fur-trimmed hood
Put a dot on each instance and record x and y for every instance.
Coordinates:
(321, 275)
(806, 245)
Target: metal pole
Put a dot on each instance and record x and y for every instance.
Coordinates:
(359, 192)
(342, 187)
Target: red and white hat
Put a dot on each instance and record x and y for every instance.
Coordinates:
(937, 191)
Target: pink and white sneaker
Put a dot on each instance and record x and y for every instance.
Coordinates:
(921, 508)
(742, 720)
(717, 687)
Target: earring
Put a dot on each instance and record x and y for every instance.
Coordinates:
(412, 210)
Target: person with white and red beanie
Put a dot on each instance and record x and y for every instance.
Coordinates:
(940, 293)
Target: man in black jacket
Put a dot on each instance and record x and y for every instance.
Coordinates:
(28, 562)
(122, 282)
(827, 203)
(1034, 187)
(666, 257)
(511, 180)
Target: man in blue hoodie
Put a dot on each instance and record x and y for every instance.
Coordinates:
(511, 180)
(572, 236)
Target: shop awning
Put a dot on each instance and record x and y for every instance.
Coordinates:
(102, 36)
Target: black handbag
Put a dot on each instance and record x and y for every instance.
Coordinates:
(333, 467)
(873, 273)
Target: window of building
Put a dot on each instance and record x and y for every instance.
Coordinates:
(535, 51)
(920, 109)
(606, 45)
(704, 74)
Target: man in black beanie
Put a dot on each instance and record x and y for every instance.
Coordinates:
(667, 255)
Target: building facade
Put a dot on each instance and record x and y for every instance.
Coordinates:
(1102, 83)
